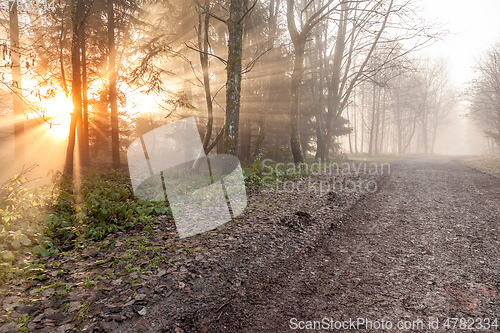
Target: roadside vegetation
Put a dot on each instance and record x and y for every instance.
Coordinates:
(39, 221)
(489, 164)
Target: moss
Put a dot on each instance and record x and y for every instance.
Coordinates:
(228, 141)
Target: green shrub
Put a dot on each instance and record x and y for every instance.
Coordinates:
(44, 219)
(102, 204)
(258, 175)
(21, 207)
(253, 175)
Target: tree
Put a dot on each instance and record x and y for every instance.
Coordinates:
(203, 45)
(17, 91)
(299, 39)
(235, 22)
(269, 87)
(113, 101)
(80, 9)
(485, 96)
(444, 102)
(344, 80)
(233, 83)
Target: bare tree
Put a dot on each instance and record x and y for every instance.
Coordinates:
(485, 96)
(299, 39)
(203, 46)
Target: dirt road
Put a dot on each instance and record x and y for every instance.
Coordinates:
(424, 248)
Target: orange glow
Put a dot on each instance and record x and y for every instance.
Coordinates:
(58, 110)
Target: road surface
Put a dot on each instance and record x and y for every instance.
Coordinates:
(421, 250)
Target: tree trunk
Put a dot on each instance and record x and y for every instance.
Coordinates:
(433, 139)
(424, 123)
(19, 138)
(203, 26)
(355, 123)
(351, 151)
(320, 130)
(334, 93)
(372, 126)
(62, 37)
(377, 122)
(76, 89)
(363, 121)
(270, 88)
(84, 137)
(382, 125)
(246, 139)
(113, 102)
(299, 41)
(233, 83)
(294, 106)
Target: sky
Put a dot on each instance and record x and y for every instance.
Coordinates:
(473, 27)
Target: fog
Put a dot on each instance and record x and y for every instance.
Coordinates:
(318, 82)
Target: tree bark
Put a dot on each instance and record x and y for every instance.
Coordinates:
(334, 94)
(297, 74)
(383, 121)
(299, 41)
(234, 74)
(203, 26)
(320, 64)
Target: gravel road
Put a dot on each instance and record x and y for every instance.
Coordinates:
(424, 248)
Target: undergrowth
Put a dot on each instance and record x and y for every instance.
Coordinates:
(44, 220)
(267, 173)
(104, 203)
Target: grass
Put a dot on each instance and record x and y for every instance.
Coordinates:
(386, 158)
(43, 288)
(130, 268)
(84, 309)
(487, 164)
(89, 283)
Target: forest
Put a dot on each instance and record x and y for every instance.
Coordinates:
(275, 83)
(331, 72)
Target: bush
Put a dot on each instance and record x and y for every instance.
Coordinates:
(255, 175)
(20, 225)
(102, 204)
(44, 219)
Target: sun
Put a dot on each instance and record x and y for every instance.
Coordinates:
(58, 109)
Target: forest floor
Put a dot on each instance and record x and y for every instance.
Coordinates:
(412, 247)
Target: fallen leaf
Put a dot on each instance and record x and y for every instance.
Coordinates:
(8, 256)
